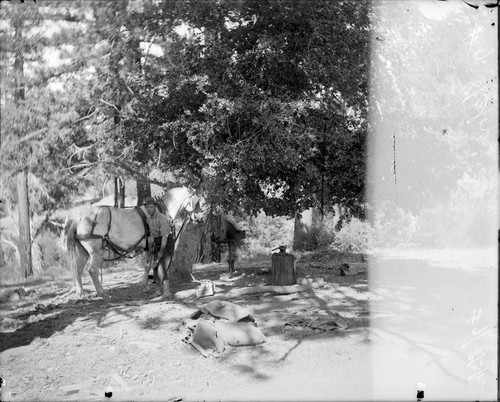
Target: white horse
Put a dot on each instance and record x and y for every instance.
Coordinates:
(120, 232)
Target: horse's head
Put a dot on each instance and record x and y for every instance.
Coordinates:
(195, 207)
(182, 199)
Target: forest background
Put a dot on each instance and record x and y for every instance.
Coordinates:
(345, 125)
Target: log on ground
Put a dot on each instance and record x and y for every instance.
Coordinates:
(235, 293)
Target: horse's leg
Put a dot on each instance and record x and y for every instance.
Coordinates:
(81, 260)
(95, 264)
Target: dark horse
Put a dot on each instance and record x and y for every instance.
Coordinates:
(120, 231)
(228, 234)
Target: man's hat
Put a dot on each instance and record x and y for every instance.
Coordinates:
(149, 201)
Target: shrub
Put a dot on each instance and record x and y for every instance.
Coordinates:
(10, 270)
(393, 226)
(356, 236)
(49, 259)
(265, 233)
(457, 226)
(52, 260)
(325, 234)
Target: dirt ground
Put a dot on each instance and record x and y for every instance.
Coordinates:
(55, 346)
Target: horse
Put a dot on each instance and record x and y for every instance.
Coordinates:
(228, 234)
(122, 232)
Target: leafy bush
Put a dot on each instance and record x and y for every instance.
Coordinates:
(49, 259)
(356, 236)
(454, 223)
(52, 260)
(265, 233)
(10, 270)
(393, 226)
(457, 226)
(325, 234)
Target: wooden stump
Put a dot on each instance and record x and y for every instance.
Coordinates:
(283, 269)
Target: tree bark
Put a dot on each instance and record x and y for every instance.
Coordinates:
(302, 229)
(24, 224)
(185, 252)
(22, 177)
(307, 230)
(116, 192)
(210, 251)
(121, 190)
(19, 66)
(143, 191)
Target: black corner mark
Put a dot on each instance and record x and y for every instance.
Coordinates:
(475, 5)
(108, 393)
(420, 395)
(2, 383)
(492, 5)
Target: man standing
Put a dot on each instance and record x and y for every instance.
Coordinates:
(160, 244)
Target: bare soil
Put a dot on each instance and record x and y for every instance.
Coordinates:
(55, 346)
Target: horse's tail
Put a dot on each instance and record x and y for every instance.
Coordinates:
(72, 243)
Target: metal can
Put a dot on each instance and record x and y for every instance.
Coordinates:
(206, 288)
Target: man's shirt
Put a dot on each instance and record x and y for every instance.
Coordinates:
(159, 225)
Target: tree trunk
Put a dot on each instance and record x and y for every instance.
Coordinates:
(121, 190)
(301, 233)
(210, 251)
(19, 66)
(24, 224)
(185, 252)
(22, 177)
(143, 191)
(307, 230)
(116, 192)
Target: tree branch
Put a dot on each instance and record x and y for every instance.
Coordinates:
(86, 117)
(134, 172)
(25, 138)
(110, 104)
